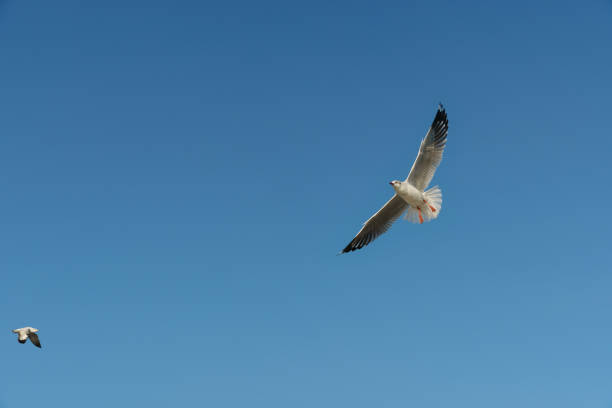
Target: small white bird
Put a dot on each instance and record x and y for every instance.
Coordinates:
(410, 195)
(28, 332)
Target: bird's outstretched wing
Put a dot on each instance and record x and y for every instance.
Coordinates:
(430, 153)
(34, 339)
(378, 224)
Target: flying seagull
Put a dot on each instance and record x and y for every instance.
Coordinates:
(28, 332)
(410, 195)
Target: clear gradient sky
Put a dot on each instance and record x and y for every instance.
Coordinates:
(178, 177)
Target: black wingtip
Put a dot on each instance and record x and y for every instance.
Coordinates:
(440, 117)
(353, 246)
(350, 247)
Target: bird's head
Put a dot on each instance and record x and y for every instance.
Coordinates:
(395, 184)
(33, 330)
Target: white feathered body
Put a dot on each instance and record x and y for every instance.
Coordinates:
(23, 334)
(427, 203)
(412, 195)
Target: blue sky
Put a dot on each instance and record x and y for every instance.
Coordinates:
(178, 178)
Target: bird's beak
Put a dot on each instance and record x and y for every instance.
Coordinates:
(390, 183)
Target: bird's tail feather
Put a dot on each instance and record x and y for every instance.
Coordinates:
(430, 208)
